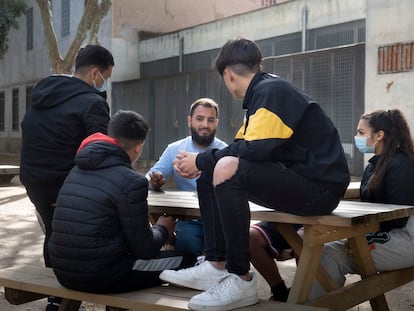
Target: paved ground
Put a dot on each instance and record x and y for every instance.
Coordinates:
(21, 243)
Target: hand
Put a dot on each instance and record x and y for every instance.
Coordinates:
(168, 222)
(157, 180)
(185, 164)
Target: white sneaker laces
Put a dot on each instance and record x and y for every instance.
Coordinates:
(224, 282)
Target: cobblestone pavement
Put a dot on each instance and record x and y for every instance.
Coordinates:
(21, 243)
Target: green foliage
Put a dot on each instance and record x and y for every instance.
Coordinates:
(10, 11)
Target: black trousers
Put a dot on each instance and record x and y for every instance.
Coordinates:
(225, 210)
(145, 273)
(44, 199)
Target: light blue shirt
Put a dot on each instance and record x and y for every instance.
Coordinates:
(165, 162)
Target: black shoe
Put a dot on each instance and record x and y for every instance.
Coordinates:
(53, 303)
(280, 292)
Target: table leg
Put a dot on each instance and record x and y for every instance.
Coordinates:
(296, 242)
(70, 305)
(307, 266)
(362, 255)
(305, 274)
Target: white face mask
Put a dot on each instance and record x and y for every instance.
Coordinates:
(104, 84)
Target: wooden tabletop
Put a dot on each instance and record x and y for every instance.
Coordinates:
(348, 213)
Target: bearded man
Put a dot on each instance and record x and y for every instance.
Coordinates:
(202, 122)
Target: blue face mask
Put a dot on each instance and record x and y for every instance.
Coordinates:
(104, 84)
(361, 144)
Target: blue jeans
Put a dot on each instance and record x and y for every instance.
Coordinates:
(225, 208)
(189, 237)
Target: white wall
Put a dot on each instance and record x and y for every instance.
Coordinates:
(388, 22)
(125, 52)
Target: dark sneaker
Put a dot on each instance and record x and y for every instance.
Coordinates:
(280, 292)
(53, 303)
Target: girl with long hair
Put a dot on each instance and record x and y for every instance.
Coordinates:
(388, 178)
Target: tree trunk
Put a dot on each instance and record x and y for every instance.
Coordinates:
(103, 10)
(51, 40)
(90, 21)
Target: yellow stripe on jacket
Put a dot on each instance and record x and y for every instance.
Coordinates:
(264, 124)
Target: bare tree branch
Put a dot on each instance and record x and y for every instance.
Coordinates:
(51, 39)
(91, 18)
(102, 12)
(81, 33)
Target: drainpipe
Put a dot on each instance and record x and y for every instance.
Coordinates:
(181, 54)
(304, 26)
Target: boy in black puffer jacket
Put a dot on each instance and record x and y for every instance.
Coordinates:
(102, 240)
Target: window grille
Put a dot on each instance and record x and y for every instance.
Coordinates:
(2, 112)
(29, 29)
(29, 91)
(65, 21)
(15, 110)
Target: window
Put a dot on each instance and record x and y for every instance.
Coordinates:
(65, 20)
(2, 106)
(29, 29)
(15, 110)
(398, 57)
(29, 91)
(268, 2)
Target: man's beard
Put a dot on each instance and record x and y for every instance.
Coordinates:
(203, 141)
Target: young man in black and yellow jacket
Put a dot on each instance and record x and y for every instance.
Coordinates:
(286, 156)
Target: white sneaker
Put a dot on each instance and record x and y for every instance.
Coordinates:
(202, 276)
(230, 293)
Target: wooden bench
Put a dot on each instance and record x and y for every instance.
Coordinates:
(28, 283)
(350, 220)
(7, 172)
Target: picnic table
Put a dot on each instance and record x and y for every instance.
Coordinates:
(7, 172)
(350, 220)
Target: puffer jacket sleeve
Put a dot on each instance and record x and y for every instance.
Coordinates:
(144, 241)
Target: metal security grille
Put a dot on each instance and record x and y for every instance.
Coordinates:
(336, 35)
(281, 45)
(335, 79)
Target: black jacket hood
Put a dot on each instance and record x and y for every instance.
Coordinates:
(57, 89)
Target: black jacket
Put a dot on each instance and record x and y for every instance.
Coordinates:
(285, 125)
(396, 187)
(64, 110)
(101, 224)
